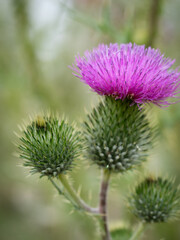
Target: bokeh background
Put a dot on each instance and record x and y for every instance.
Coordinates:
(38, 40)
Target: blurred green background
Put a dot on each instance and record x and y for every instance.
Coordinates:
(38, 40)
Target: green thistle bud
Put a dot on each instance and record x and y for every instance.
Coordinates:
(117, 134)
(49, 146)
(155, 200)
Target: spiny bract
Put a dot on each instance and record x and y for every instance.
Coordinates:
(49, 146)
(117, 135)
(155, 200)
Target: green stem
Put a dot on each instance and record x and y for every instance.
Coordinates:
(75, 197)
(139, 230)
(60, 191)
(103, 204)
(56, 186)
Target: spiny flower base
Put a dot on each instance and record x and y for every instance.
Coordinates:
(155, 200)
(49, 146)
(117, 134)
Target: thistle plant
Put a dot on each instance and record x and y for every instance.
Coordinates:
(116, 134)
(155, 200)
(129, 71)
(49, 146)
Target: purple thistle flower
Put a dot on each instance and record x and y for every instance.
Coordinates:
(129, 71)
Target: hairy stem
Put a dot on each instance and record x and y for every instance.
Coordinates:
(75, 197)
(139, 230)
(60, 191)
(103, 204)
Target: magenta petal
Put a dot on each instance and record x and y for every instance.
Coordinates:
(129, 71)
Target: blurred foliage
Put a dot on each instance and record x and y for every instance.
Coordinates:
(121, 233)
(38, 40)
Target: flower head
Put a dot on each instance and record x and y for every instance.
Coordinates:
(117, 136)
(129, 71)
(49, 146)
(155, 200)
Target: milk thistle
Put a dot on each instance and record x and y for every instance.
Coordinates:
(117, 134)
